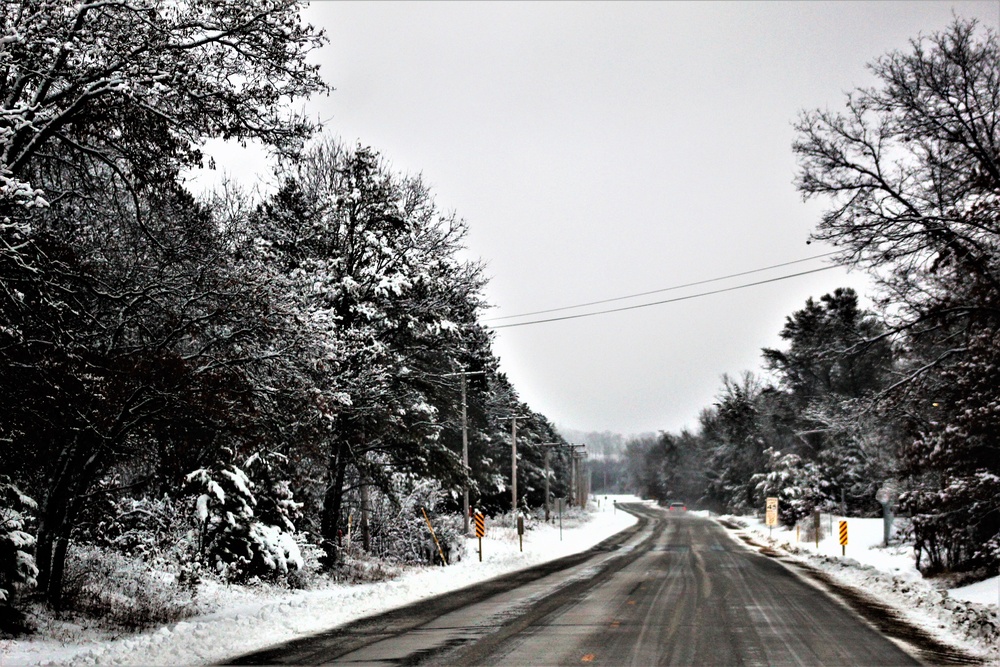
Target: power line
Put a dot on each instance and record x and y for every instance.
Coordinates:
(657, 291)
(658, 303)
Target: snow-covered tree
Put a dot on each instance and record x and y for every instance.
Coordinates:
(911, 169)
(837, 362)
(122, 316)
(390, 307)
(17, 566)
(797, 483)
(239, 536)
(735, 438)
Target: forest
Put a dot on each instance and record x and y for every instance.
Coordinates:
(221, 385)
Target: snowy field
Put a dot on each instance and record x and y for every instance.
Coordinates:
(248, 619)
(965, 617)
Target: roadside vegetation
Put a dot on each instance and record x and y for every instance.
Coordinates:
(907, 393)
(224, 386)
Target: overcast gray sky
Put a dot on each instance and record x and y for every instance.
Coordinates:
(600, 150)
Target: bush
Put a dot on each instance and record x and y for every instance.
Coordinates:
(358, 567)
(234, 542)
(153, 529)
(123, 592)
(398, 529)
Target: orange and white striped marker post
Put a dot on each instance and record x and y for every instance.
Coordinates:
(480, 532)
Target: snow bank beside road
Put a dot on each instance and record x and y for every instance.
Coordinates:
(986, 592)
(890, 574)
(249, 619)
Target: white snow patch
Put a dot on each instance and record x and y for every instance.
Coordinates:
(250, 619)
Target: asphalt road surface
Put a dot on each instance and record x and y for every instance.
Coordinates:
(676, 589)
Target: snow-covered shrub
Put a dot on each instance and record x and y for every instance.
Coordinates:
(148, 528)
(358, 567)
(308, 575)
(233, 540)
(276, 504)
(808, 528)
(17, 567)
(398, 529)
(121, 591)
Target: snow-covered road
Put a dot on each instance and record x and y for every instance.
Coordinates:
(964, 617)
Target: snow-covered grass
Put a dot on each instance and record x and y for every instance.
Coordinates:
(245, 619)
(965, 617)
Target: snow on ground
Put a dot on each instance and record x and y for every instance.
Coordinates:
(965, 617)
(984, 592)
(248, 619)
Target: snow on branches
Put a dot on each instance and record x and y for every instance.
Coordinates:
(17, 567)
(237, 542)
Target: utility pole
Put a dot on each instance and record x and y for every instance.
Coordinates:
(465, 447)
(547, 446)
(572, 477)
(513, 465)
(513, 461)
(577, 482)
(580, 481)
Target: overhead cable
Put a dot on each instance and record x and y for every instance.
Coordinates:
(658, 303)
(657, 291)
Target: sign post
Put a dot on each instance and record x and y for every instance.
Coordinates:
(480, 532)
(771, 514)
(886, 496)
(560, 518)
(843, 538)
(520, 532)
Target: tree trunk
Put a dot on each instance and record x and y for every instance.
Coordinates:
(365, 536)
(77, 468)
(52, 525)
(332, 501)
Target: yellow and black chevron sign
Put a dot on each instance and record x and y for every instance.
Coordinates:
(480, 524)
(843, 533)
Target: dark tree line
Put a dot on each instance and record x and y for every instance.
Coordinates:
(809, 437)
(254, 366)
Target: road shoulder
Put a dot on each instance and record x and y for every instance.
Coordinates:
(914, 633)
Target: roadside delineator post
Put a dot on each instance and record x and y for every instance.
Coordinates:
(480, 532)
(436, 543)
(520, 532)
(843, 538)
(560, 518)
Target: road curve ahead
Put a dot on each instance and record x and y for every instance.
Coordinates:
(674, 590)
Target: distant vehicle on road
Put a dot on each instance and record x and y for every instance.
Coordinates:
(677, 507)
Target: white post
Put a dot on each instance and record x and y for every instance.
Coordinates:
(513, 464)
(465, 462)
